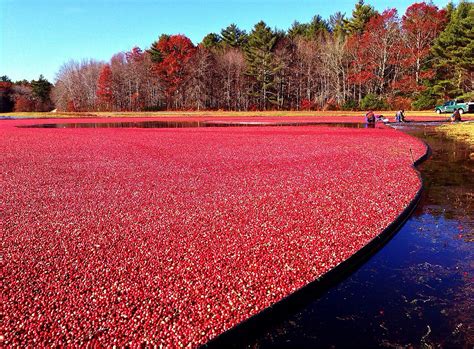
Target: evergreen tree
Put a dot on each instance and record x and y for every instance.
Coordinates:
(211, 41)
(453, 53)
(337, 24)
(234, 37)
(298, 30)
(361, 15)
(22, 82)
(5, 78)
(155, 53)
(261, 65)
(317, 27)
(312, 30)
(41, 89)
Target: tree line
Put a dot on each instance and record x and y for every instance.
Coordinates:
(368, 60)
(24, 95)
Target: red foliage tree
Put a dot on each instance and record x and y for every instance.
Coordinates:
(376, 51)
(421, 24)
(24, 104)
(135, 55)
(104, 88)
(361, 64)
(306, 104)
(174, 52)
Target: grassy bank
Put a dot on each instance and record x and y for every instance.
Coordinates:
(462, 131)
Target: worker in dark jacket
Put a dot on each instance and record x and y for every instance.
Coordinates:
(456, 116)
(370, 117)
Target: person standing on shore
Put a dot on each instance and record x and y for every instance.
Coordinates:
(456, 116)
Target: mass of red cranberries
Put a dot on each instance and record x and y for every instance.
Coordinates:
(168, 237)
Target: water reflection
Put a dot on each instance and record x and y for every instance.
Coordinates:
(189, 124)
(417, 290)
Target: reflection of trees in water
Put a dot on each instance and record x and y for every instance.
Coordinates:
(449, 195)
(448, 177)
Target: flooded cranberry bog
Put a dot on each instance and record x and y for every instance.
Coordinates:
(415, 292)
(131, 234)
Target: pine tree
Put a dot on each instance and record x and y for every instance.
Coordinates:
(337, 24)
(312, 30)
(360, 17)
(453, 53)
(298, 30)
(317, 27)
(261, 65)
(211, 41)
(41, 89)
(155, 53)
(232, 36)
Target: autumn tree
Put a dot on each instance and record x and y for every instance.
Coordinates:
(172, 53)
(104, 88)
(375, 53)
(421, 24)
(335, 63)
(23, 97)
(201, 82)
(76, 85)
(136, 76)
(285, 59)
(231, 66)
(338, 62)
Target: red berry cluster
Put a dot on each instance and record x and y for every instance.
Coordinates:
(172, 236)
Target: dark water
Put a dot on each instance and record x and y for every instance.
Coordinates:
(8, 118)
(417, 291)
(188, 124)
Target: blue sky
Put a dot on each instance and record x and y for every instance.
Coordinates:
(38, 36)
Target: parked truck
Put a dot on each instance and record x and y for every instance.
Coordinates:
(457, 104)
